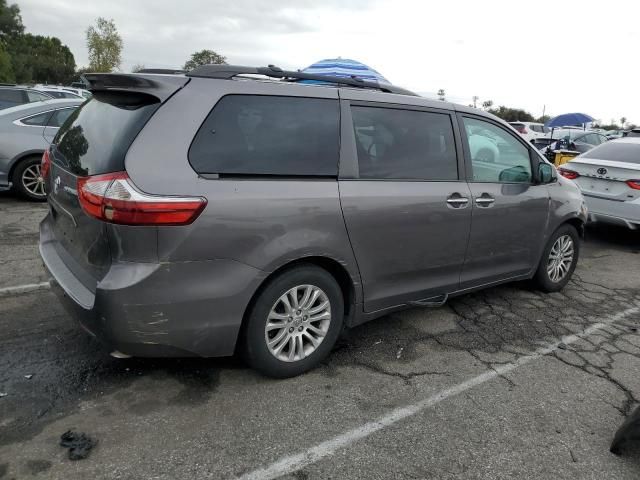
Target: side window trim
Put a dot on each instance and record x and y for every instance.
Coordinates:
(20, 123)
(467, 152)
(348, 166)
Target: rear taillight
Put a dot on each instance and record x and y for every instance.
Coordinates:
(113, 198)
(570, 174)
(45, 164)
(635, 184)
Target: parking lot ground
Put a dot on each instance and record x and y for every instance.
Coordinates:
(504, 383)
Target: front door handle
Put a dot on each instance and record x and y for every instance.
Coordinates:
(485, 200)
(456, 200)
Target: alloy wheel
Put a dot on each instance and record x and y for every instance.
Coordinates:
(560, 258)
(32, 181)
(298, 323)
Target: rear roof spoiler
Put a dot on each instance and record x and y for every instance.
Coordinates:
(160, 86)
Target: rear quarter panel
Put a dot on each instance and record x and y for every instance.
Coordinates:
(263, 223)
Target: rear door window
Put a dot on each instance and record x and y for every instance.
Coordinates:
(36, 97)
(404, 144)
(496, 155)
(60, 116)
(268, 135)
(98, 134)
(12, 95)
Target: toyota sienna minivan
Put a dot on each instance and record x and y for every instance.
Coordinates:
(253, 210)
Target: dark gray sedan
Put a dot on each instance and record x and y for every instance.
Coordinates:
(25, 133)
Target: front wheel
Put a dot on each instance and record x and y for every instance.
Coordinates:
(294, 323)
(559, 260)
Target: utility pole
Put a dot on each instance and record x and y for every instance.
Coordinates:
(475, 100)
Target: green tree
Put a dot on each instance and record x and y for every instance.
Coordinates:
(441, 95)
(487, 104)
(137, 67)
(10, 20)
(512, 114)
(6, 69)
(105, 46)
(204, 57)
(39, 59)
(543, 119)
(623, 120)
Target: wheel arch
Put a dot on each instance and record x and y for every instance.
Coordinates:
(19, 158)
(577, 223)
(336, 269)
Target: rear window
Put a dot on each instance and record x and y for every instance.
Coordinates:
(268, 135)
(98, 134)
(616, 151)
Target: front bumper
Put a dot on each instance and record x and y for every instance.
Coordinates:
(163, 309)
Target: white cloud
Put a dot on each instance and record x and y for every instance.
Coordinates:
(570, 55)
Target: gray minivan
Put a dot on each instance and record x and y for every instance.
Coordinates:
(263, 211)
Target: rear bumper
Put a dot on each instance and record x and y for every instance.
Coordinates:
(626, 214)
(159, 309)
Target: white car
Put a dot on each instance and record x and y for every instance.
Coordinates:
(63, 92)
(529, 130)
(609, 177)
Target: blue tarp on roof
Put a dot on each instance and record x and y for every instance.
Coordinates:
(344, 68)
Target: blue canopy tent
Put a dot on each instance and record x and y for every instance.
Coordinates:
(344, 68)
(568, 119)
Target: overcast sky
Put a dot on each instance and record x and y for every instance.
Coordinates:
(567, 55)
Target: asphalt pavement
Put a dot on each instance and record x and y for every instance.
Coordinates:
(500, 384)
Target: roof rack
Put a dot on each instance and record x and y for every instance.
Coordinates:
(163, 71)
(228, 72)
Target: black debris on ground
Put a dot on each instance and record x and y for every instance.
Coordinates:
(79, 444)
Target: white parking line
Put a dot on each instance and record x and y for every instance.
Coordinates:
(30, 287)
(293, 463)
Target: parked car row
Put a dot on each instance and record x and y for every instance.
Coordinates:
(530, 130)
(13, 95)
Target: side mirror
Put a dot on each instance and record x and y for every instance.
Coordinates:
(572, 146)
(545, 173)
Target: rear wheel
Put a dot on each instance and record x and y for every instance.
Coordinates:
(294, 323)
(559, 260)
(27, 180)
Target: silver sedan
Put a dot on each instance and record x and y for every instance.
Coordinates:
(609, 177)
(25, 133)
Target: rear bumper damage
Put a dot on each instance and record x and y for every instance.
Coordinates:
(159, 309)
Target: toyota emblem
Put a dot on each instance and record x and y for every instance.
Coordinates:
(602, 171)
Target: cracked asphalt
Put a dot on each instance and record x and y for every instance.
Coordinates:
(553, 417)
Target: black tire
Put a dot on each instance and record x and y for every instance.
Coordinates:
(17, 179)
(255, 349)
(542, 279)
